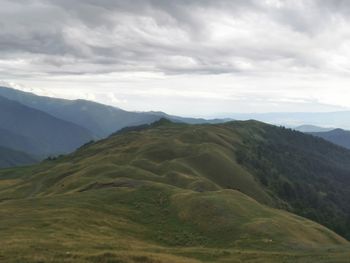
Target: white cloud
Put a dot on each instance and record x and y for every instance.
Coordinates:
(183, 57)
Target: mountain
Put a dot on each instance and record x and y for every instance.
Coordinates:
(18, 142)
(9, 158)
(340, 119)
(37, 132)
(173, 192)
(337, 136)
(189, 120)
(312, 128)
(100, 119)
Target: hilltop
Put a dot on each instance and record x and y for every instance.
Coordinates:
(171, 192)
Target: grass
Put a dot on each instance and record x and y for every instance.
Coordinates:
(171, 193)
(156, 221)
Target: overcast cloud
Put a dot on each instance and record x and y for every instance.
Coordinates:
(199, 57)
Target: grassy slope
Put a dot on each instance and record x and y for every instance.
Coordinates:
(309, 174)
(157, 195)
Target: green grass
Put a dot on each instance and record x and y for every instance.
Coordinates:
(152, 220)
(170, 193)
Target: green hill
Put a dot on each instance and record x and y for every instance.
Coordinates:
(178, 193)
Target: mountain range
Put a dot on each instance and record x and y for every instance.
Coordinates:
(175, 192)
(101, 120)
(37, 132)
(43, 126)
(9, 158)
(337, 136)
(338, 119)
(311, 128)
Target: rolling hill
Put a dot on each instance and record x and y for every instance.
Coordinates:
(100, 119)
(171, 192)
(337, 136)
(36, 132)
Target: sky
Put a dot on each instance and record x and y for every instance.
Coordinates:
(203, 58)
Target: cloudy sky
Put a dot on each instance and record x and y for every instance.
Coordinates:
(188, 57)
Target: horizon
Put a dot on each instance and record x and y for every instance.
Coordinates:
(331, 120)
(197, 58)
(217, 115)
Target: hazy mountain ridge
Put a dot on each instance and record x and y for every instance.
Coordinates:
(41, 133)
(18, 142)
(337, 136)
(312, 128)
(9, 158)
(98, 118)
(43, 126)
(339, 119)
(102, 120)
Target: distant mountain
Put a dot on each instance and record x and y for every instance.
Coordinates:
(37, 132)
(190, 120)
(337, 136)
(18, 142)
(340, 119)
(10, 158)
(100, 119)
(312, 128)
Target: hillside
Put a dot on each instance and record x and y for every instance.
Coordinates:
(181, 193)
(37, 132)
(100, 119)
(9, 158)
(337, 136)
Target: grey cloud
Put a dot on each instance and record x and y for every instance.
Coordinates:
(173, 37)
